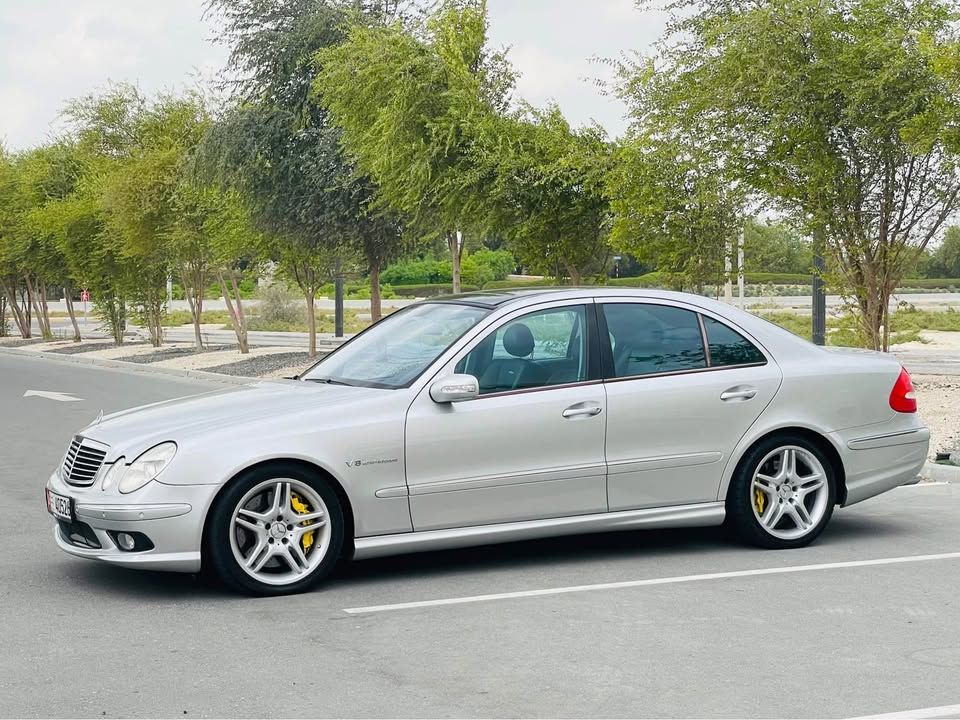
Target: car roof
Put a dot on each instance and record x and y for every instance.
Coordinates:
(772, 336)
(533, 295)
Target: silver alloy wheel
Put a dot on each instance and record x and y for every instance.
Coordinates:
(789, 492)
(273, 540)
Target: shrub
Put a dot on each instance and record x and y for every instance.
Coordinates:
(279, 306)
(430, 290)
(417, 272)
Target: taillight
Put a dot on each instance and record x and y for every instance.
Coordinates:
(903, 399)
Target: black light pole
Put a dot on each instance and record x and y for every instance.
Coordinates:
(819, 297)
(338, 300)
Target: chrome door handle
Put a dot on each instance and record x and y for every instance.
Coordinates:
(582, 410)
(740, 392)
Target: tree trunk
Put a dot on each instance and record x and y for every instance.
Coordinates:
(455, 247)
(576, 277)
(34, 300)
(67, 290)
(44, 309)
(376, 308)
(23, 323)
(310, 295)
(237, 317)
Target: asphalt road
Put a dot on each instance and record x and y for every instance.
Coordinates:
(840, 639)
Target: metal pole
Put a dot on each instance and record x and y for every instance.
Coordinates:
(740, 270)
(727, 272)
(819, 319)
(338, 300)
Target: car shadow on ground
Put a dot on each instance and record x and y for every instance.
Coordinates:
(663, 546)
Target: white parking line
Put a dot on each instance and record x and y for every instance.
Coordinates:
(650, 581)
(932, 713)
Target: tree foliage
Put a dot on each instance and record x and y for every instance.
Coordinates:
(844, 113)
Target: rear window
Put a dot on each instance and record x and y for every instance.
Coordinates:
(649, 339)
(728, 347)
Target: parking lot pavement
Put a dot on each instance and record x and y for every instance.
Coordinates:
(682, 623)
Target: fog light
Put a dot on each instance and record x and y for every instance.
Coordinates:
(126, 541)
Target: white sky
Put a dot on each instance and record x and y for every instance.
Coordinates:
(54, 50)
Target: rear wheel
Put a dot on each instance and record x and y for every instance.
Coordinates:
(782, 494)
(276, 530)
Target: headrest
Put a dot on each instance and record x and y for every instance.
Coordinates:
(518, 340)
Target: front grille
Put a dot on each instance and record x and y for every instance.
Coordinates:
(82, 462)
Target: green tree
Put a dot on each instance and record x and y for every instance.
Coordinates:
(674, 209)
(845, 114)
(945, 261)
(549, 193)
(276, 146)
(413, 105)
(775, 247)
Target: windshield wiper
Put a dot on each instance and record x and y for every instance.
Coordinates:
(328, 381)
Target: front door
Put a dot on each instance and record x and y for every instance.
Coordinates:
(532, 444)
(676, 406)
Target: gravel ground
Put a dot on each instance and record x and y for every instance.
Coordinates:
(172, 352)
(77, 348)
(938, 399)
(277, 365)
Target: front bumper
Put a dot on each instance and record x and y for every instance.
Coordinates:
(170, 516)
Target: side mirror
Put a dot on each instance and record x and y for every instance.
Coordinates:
(454, 388)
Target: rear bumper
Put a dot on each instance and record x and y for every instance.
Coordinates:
(877, 462)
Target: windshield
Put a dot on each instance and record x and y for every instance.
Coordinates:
(393, 353)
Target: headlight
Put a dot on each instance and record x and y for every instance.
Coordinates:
(146, 467)
(112, 474)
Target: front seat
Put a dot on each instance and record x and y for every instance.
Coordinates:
(516, 371)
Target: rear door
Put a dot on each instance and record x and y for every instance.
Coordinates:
(682, 389)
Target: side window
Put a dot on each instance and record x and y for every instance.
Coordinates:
(536, 350)
(648, 339)
(728, 347)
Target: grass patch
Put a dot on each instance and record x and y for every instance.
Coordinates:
(325, 323)
(176, 318)
(905, 325)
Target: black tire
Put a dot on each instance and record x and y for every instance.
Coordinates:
(740, 500)
(218, 556)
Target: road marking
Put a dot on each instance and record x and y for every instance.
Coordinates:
(927, 484)
(50, 395)
(650, 581)
(931, 713)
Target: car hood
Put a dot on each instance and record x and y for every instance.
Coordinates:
(138, 428)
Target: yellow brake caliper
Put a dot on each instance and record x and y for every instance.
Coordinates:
(759, 499)
(301, 508)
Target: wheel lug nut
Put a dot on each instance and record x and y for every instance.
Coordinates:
(271, 541)
(289, 527)
(285, 541)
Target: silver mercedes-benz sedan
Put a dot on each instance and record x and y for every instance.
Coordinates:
(494, 417)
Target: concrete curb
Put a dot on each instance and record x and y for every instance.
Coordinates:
(130, 367)
(940, 473)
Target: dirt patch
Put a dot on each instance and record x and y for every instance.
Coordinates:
(77, 348)
(171, 353)
(276, 363)
(938, 400)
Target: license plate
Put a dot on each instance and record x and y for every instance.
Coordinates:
(60, 506)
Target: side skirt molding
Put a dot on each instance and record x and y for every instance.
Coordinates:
(694, 515)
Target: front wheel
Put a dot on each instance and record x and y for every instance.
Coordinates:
(782, 494)
(276, 530)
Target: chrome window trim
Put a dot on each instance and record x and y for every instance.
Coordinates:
(715, 368)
